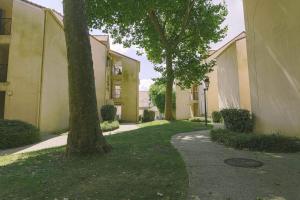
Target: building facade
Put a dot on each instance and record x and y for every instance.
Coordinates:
(274, 64)
(34, 76)
(229, 83)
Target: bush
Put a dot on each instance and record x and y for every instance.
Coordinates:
(108, 112)
(256, 142)
(109, 126)
(199, 119)
(216, 117)
(238, 120)
(148, 116)
(15, 133)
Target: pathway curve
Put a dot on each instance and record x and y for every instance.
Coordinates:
(51, 141)
(211, 179)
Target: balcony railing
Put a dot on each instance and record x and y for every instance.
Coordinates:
(5, 26)
(3, 73)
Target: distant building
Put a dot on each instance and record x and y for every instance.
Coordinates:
(146, 104)
(34, 75)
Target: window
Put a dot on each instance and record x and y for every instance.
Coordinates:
(117, 68)
(117, 92)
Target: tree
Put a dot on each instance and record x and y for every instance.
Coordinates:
(175, 34)
(85, 136)
(157, 95)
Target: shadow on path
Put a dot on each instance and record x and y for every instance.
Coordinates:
(211, 179)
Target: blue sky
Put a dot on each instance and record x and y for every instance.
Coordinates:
(235, 22)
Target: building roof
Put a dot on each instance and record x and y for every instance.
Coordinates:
(103, 39)
(33, 4)
(122, 55)
(218, 52)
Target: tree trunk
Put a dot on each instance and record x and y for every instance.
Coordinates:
(169, 88)
(85, 136)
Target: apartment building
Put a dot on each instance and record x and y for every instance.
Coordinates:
(274, 64)
(229, 83)
(33, 69)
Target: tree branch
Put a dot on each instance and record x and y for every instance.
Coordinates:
(185, 20)
(158, 27)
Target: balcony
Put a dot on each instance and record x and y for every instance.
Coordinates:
(117, 72)
(3, 73)
(5, 31)
(5, 26)
(3, 77)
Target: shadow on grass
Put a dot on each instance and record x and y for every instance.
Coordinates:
(142, 165)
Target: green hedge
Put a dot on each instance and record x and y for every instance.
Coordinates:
(216, 117)
(256, 142)
(15, 133)
(148, 116)
(108, 112)
(109, 126)
(238, 120)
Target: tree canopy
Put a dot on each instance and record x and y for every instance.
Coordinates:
(157, 95)
(175, 34)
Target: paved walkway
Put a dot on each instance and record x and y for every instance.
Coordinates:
(51, 141)
(211, 179)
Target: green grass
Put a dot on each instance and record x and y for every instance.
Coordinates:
(274, 143)
(109, 126)
(142, 165)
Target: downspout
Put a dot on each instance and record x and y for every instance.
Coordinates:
(42, 73)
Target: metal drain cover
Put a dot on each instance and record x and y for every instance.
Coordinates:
(243, 162)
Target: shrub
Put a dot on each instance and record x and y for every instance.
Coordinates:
(216, 117)
(109, 126)
(148, 116)
(199, 119)
(108, 112)
(256, 142)
(140, 118)
(15, 133)
(238, 120)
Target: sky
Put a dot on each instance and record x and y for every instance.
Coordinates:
(234, 21)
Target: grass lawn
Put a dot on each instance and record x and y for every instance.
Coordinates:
(143, 165)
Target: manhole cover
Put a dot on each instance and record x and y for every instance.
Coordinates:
(243, 162)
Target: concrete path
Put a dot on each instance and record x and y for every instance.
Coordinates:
(211, 179)
(51, 141)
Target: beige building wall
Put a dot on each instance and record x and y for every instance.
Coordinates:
(212, 93)
(54, 112)
(183, 103)
(100, 53)
(273, 52)
(129, 87)
(228, 78)
(243, 73)
(25, 60)
(54, 115)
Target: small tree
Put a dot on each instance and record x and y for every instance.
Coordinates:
(157, 95)
(174, 34)
(85, 136)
